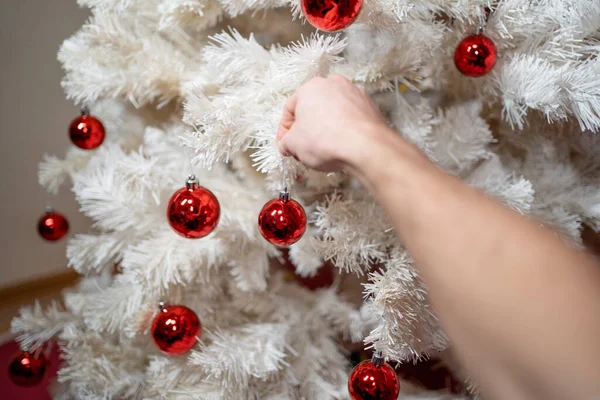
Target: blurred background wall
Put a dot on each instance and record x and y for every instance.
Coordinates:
(34, 116)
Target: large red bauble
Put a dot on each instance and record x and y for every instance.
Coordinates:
(26, 369)
(86, 132)
(282, 222)
(175, 329)
(193, 211)
(331, 15)
(475, 55)
(53, 226)
(369, 381)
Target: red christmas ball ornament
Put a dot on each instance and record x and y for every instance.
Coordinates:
(193, 211)
(324, 277)
(26, 369)
(475, 55)
(282, 221)
(431, 374)
(52, 226)
(175, 328)
(373, 380)
(86, 131)
(331, 15)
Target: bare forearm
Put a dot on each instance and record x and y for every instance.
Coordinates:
(521, 306)
(509, 292)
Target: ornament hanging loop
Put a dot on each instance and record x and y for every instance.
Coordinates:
(480, 29)
(85, 110)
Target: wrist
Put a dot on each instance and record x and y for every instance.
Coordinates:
(398, 175)
(378, 153)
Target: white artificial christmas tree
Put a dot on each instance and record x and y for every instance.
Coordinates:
(198, 86)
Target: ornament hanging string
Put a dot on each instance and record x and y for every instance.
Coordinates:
(189, 159)
(284, 185)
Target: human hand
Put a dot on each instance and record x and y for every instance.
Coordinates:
(327, 123)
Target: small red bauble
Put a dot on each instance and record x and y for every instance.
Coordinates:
(475, 55)
(324, 277)
(193, 211)
(431, 374)
(331, 15)
(52, 226)
(282, 221)
(26, 369)
(86, 131)
(373, 380)
(175, 328)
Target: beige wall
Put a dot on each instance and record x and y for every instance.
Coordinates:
(34, 116)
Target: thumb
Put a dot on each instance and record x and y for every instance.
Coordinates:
(287, 144)
(281, 131)
(281, 143)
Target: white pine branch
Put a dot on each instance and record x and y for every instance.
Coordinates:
(343, 317)
(263, 345)
(354, 232)
(36, 327)
(94, 253)
(409, 327)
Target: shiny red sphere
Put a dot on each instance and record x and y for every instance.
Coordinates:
(331, 15)
(475, 55)
(26, 369)
(175, 329)
(372, 382)
(53, 226)
(193, 213)
(86, 132)
(324, 277)
(282, 222)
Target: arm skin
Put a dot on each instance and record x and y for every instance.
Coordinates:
(521, 306)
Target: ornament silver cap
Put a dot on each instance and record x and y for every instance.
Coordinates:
(284, 195)
(192, 183)
(85, 110)
(162, 305)
(377, 358)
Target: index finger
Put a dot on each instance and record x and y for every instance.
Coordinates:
(288, 117)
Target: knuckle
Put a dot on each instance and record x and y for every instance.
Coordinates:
(341, 78)
(317, 81)
(311, 85)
